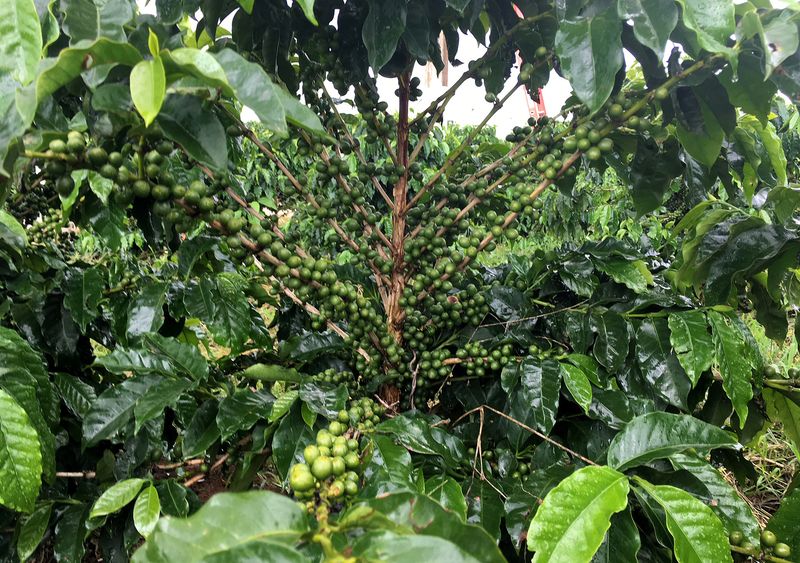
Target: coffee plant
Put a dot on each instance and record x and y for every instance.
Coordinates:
(350, 332)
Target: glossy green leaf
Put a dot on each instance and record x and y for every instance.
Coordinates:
(290, 438)
(659, 365)
(173, 497)
(390, 547)
(20, 39)
(653, 21)
(691, 341)
(713, 23)
(24, 378)
(202, 431)
(577, 384)
(92, 19)
(622, 541)
(782, 409)
(221, 303)
(781, 39)
(11, 231)
(388, 468)
(146, 510)
(724, 500)
(611, 345)
(417, 434)
(573, 518)
(148, 88)
(631, 273)
(784, 522)
(416, 514)
(697, 532)
(323, 399)
(198, 64)
(730, 355)
(70, 534)
(703, 145)
(184, 358)
(83, 293)
(32, 529)
(308, 10)
(658, 435)
(590, 51)
(209, 533)
(145, 311)
(750, 91)
(242, 409)
(188, 122)
(114, 408)
(158, 397)
(254, 88)
(77, 395)
(20, 457)
(383, 27)
(447, 492)
(283, 403)
(533, 387)
(116, 497)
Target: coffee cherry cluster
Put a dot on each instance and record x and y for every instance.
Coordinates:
(335, 377)
(769, 544)
(332, 465)
(513, 467)
(479, 360)
(47, 229)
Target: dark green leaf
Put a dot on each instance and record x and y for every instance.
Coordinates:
(418, 435)
(145, 312)
(83, 292)
(76, 394)
(653, 21)
(114, 407)
(383, 27)
(417, 514)
(730, 355)
(589, 49)
(32, 529)
(577, 384)
(186, 120)
(622, 542)
(202, 431)
(153, 402)
(611, 344)
(324, 400)
(657, 435)
(659, 365)
(691, 341)
(70, 533)
(447, 492)
(784, 522)
(242, 410)
(90, 19)
(290, 438)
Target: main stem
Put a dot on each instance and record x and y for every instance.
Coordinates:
(394, 311)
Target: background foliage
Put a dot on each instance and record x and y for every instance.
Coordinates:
(443, 345)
